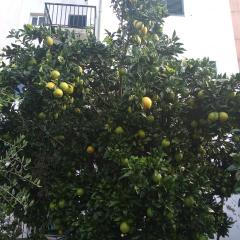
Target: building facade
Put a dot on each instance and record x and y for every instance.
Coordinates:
(208, 28)
(205, 27)
(71, 13)
(235, 11)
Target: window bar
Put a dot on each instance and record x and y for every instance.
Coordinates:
(65, 16)
(69, 19)
(49, 22)
(61, 16)
(78, 19)
(52, 14)
(74, 18)
(45, 13)
(95, 20)
(82, 21)
(57, 16)
(90, 19)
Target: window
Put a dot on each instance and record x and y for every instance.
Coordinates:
(175, 7)
(41, 21)
(77, 21)
(37, 19)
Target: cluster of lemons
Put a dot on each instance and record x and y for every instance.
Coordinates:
(63, 87)
(218, 116)
(143, 31)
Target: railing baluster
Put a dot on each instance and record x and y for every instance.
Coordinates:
(61, 16)
(82, 19)
(57, 16)
(53, 14)
(74, 20)
(78, 23)
(91, 18)
(70, 15)
(95, 20)
(65, 10)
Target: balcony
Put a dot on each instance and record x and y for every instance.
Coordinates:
(77, 18)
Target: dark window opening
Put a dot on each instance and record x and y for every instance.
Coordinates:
(34, 21)
(175, 7)
(41, 21)
(77, 21)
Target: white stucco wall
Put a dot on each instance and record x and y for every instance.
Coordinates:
(205, 29)
(15, 13)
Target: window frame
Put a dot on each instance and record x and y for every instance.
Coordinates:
(84, 21)
(38, 16)
(182, 14)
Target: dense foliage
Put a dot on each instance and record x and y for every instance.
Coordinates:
(128, 141)
(15, 181)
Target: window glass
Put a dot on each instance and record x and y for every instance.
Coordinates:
(34, 21)
(175, 7)
(41, 21)
(77, 21)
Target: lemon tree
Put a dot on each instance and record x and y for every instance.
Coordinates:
(128, 140)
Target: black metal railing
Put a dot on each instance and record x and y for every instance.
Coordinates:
(70, 16)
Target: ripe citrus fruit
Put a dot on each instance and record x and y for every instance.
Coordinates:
(124, 227)
(42, 115)
(178, 156)
(141, 134)
(77, 110)
(80, 192)
(138, 25)
(49, 41)
(145, 30)
(146, 103)
(129, 110)
(122, 72)
(165, 143)
(119, 130)
(70, 89)
(63, 86)
(58, 93)
(137, 39)
(189, 201)
(55, 74)
(90, 149)
(135, 22)
(80, 70)
(213, 116)
(50, 85)
(223, 117)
